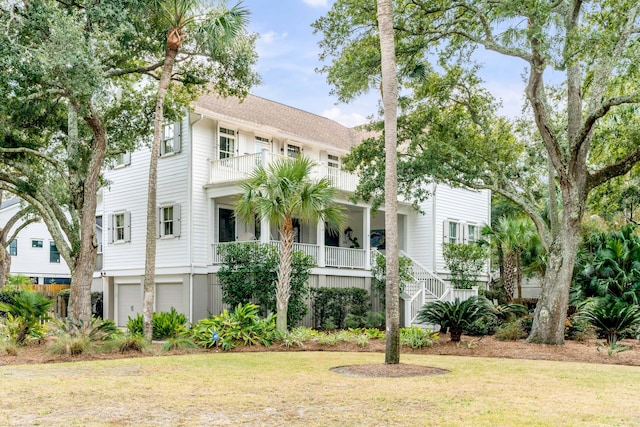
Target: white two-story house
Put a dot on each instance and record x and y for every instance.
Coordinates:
(204, 158)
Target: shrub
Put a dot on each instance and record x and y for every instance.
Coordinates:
(579, 329)
(179, 343)
(128, 342)
(486, 325)
(337, 303)
(165, 324)
(416, 337)
(297, 337)
(464, 262)
(373, 319)
(26, 315)
(510, 331)
(456, 315)
(379, 273)
(77, 338)
(242, 326)
(249, 273)
(611, 316)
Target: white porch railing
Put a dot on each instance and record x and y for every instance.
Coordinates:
(334, 256)
(240, 167)
(344, 257)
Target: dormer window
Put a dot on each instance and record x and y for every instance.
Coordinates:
(294, 151)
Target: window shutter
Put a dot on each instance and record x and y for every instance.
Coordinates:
(127, 226)
(176, 220)
(110, 222)
(159, 228)
(445, 232)
(126, 158)
(177, 137)
(465, 232)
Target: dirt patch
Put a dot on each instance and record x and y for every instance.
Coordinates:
(381, 370)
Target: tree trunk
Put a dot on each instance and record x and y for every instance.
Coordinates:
(152, 205)
(5, 264)
(390, 101)
(283, 289)
(551, 310)
(509, 278)
(85, 258)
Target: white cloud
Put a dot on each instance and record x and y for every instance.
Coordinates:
(346, 119)
(317, 3)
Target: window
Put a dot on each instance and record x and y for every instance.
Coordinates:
(169, 221)
(36, 243)
(333, 169)
(122, 159)
(293, 151)
(226, 225)
(120, 227)
(473, 233)
(171, 140)
(451, 232)
(54, 255)
(227, 143)
(13, 248)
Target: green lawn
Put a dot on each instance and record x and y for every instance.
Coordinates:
(298, 389)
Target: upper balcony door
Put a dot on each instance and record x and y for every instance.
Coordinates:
(227, 144)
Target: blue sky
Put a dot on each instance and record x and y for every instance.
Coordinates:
(288, 52)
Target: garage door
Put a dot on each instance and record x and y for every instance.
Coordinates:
(129, 303)
(168, 296)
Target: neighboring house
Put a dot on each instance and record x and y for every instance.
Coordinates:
(33, 252)
(203, 159)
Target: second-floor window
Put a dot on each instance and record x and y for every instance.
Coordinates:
(36, 243)
(262, 143)
(171, 139)
(452, 232)
(294, 151)
(227, 143)
(473, 233)
(120, 227)
(169, 221)
(122, 159)
(13, 248)
(54, 255)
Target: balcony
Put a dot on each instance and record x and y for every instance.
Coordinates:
(332, 256)
(233, 169)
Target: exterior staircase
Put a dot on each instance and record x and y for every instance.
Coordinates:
(426, 287)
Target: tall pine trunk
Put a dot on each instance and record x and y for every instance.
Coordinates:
(152, 204)
(5, 264)
(390, 102)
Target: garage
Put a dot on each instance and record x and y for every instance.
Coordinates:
(129, 302)
(168, 296)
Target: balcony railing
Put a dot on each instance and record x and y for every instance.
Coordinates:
(334, 256)
(240, 167)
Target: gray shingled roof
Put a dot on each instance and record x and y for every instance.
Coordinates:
(281, 119)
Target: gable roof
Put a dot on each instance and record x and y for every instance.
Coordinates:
(281, 119)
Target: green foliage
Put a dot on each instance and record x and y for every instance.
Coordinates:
(464, 262)
(608, 264)
(379, 273)
(510, 312)
(456, 315)
(579, 329)
(510, 331)
(8, 296)
(486, 325)
(373, 319)
(14, 281)
(297, 337)
(165, 324)
(335, 304)
(612, 347)
(128, 342)
(416, 337)
(72, 339)
(26, 314)
(249, 272)
(242, 326)
(179, 343)
(611, 316)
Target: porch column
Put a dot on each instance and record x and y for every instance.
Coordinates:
(213, 231)
(320, 240)
(265, 229)
(366, 230)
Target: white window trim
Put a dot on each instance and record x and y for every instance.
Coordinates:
(234, 137)
(293, 144)
(122, 160)
(176, 145)
(126, 227)
(39, 240)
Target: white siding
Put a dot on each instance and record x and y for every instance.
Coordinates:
(30, 261)
(127, 191)
(420, 235)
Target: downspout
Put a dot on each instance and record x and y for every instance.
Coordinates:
(190, 204)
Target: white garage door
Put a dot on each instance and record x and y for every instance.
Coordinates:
(168, 296)
(129, 303)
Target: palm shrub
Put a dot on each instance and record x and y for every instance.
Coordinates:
(242, 326)
(76, 338)
(165, 324)
(27, 314)
(455, 315)
(611, 316)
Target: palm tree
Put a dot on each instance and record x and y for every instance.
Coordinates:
(213, 30)
(389, 90)
(279, 193)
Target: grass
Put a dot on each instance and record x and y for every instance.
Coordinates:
(298, 389)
